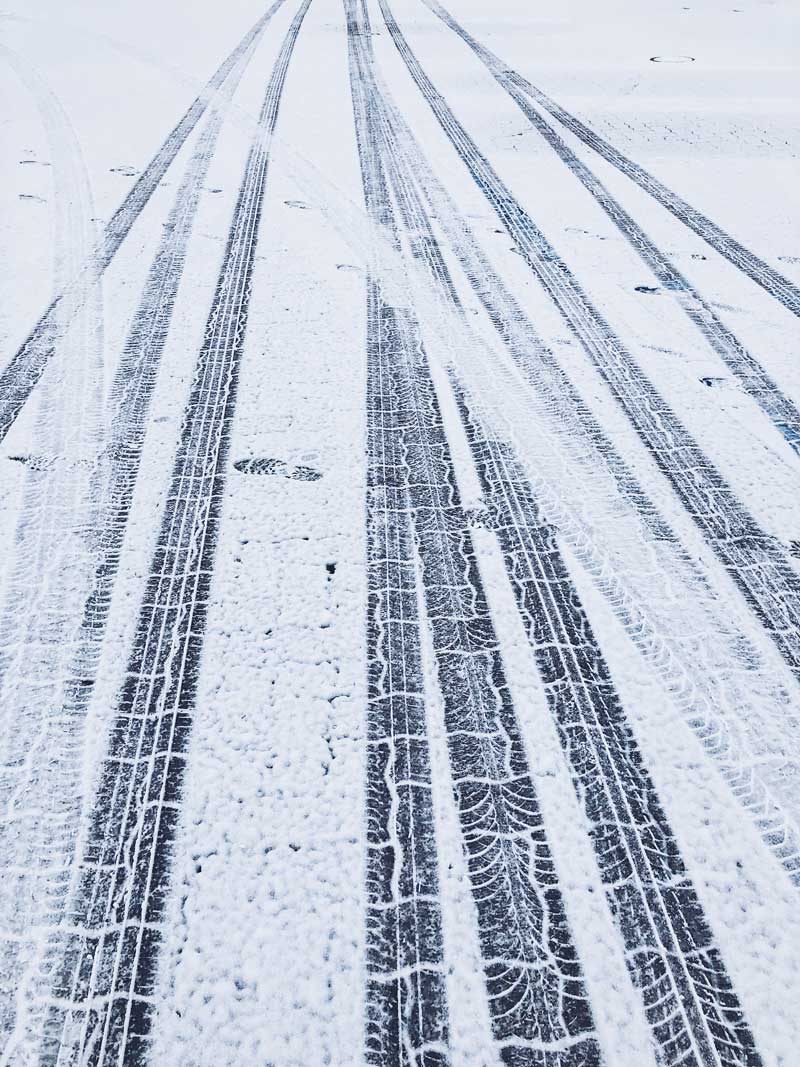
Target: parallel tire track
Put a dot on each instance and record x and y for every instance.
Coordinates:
(111, 483)
(703, 684)
(406, 1005)
(537, 999)
(771, 280)
(754, 560)
(779, 408)
(105, 991)
(20, 376)
(671, 952)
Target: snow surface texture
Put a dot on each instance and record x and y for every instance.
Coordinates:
(400, 586)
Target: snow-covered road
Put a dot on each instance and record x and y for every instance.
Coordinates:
(400, 534)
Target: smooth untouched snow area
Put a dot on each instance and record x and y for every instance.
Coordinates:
(400, 537)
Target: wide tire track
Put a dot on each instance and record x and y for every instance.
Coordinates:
(771, 280)
(537, 999)
(105, 989)
(755, 561)
(21, 375)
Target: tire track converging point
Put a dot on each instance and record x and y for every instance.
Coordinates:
(104, 993)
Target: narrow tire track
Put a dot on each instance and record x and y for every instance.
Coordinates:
(772, 281)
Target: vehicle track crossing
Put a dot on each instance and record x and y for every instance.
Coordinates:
(755, 561)
(672, 955)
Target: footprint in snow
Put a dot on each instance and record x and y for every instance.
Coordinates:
(47, 462)
(296, 203)
(277, 467)
(478, 517)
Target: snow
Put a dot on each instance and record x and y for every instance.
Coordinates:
(261, 873)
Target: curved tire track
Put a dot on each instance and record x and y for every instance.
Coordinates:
(40, 751)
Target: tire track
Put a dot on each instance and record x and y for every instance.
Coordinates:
(778, 408)
(755, 561)
(538, 1005)
(405, 1000)
(671, 953)
(406, 1012)
(104, 995)
(717, 679)
(111, 481)
(709, 689)
(40, 761)
(771, 280)
(21, 375)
